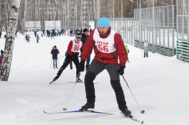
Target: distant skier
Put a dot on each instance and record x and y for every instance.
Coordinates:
(145, 49)
(52, 34)
(44, 32)
(54, 53)
(56, 32)
(71, 32)
(59, 33)
(126, 47)
(0, 33)
(37, 38)
(65, 32)
(62, 32)
(35, 33)
(48, 33)
(27, 37)
(108, 47)
(73, 52)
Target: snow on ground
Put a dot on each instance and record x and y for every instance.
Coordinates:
(159, 83)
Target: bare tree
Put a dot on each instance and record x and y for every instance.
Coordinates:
(9, 44)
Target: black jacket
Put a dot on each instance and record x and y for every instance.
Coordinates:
(84, 38)
(54, 53)
(71, 31)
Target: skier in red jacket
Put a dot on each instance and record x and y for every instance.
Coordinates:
(108, 46)
(73, 52)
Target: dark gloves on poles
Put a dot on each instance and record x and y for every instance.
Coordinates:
(74, 55)
(81, 66)
(121, 70)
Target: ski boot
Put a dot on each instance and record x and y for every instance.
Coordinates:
(126, 112)
(55, 78)
(78, 80)
(58, 74)
(87, 106)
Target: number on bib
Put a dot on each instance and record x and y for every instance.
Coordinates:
(103, 46)
(76, 47)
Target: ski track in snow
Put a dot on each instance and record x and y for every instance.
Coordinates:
(24, 56)
(159, 83)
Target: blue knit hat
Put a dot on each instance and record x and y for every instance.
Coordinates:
(104, 22)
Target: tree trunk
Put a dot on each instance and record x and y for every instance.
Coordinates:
(9, 44)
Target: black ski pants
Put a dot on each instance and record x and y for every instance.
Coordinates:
(93, 70)
(146, 54)
(67, 61)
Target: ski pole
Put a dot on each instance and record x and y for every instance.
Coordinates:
(61, 57)
(64, 109)
(58, 63)
(51, 63)
(142, 111)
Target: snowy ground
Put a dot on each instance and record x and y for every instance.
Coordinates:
(159, 83)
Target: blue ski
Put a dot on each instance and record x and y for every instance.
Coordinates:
(79, 111)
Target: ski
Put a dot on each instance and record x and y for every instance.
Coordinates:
(74, 82)
(82, 82)
(79, 111)
(133, 118)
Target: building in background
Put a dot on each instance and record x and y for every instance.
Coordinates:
(73, 13)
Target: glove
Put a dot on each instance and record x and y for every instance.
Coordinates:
(81, 66)
(66, 53)
(74, 55)
(120, 70)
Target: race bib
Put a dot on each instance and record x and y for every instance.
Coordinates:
(145, 44)
(105, 45)
(76, 46)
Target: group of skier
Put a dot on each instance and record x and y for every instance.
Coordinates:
(54, 32)
(108, 48)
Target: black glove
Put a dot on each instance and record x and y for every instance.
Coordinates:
(81, 66)
(74, 55)
(120, 70)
